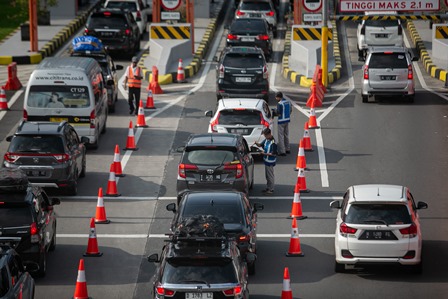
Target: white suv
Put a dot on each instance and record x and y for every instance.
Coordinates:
(245, 116)
(378, 224)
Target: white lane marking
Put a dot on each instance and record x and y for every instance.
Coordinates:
(149, 198)
(162, 236)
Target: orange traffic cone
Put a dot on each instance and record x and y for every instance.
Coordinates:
(100, 215)
(307, 139)
(117, 162)
(130, 143)
(312, 122)
(141, 122)
(301, 160)
(286, 290)
(92, 246)
(294, 243)
(180, 72)
(81, 284)
(296, 211)
(150, 101)
(301, 181)
(112, 183)
(3, 101)
(154, 84)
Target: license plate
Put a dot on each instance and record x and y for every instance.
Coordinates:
(108, 33)
(210, 177)
(58, 119)
(243, 79)
(247, 39)
(377, 235)
(254, 15)
(387, 78)
(381, 35)
(198, 295)
(36, 173)
(240, 131)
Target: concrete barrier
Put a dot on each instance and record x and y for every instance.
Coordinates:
(440, 44)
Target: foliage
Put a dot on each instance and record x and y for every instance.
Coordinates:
(12, 15)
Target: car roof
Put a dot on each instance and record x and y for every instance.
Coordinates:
(41, 128)
(208, 139)
(377, 193)
(231, 103)
(217, 197)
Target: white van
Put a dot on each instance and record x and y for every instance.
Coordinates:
(71, 89)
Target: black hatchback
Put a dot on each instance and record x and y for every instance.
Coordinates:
(242, 72)
(251, 32)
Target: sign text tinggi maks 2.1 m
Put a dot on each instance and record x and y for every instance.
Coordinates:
(388, 5)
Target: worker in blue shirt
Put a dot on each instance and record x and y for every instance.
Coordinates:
(283, 111)
(270, 158)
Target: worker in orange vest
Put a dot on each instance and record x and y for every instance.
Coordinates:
(133, 80)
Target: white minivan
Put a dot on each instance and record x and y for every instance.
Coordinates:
(71, 89)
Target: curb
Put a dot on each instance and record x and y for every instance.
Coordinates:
(50, 47)
(430, 67)
(200, 53)
(302, 80)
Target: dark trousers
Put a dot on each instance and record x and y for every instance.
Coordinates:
(134, 94)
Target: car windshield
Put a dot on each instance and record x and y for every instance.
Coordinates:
(388, 60)
(206, 271)
(239, 60)
(43, 144)
(378, 214)
(248, 27)
(131, 6)
(43, 96)
(209, 157)
(247, 117)
(226, 213)
(110, 21)
(255, 5)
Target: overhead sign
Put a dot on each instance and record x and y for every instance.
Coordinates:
(170, 15)
(312, 5)
(312, 17)
(388, 5)
(171, 4)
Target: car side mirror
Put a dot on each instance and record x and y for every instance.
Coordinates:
(180, 149)
(215, 58)
(55, 201)
(208, 113)
(422, 205)
(250, 257)
(336, 204)
(258, 207)
(153, 258)
(414, 58)
(85, 140)
(118, 67)
(226, 26)
(138, 19)
(171, 207)
(9, 138)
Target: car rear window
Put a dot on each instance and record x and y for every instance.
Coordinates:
(15, 214)
(206, 271)
(378, 214)
(238, 60)
(388, 60)
(209, 156)
(248, 27)
(226, 213)
(255, 5)
(381, 23)
(102, 20)
(247, 117)
(42, 144)
(131, 6)
(68, 96)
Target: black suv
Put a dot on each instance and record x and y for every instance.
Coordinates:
(215, 162)
(27, 220)
(109, 69)
(51, 154)
(116, 28)
(15, 282)
(203, 266)
(242, 72)
(251, 32)
(233, 209)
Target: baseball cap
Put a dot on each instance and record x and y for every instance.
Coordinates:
(134, 59)
(279, 95)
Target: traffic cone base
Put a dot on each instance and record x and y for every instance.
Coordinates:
(141, 121)
(92, 246)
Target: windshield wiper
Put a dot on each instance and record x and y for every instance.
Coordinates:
(376, 221)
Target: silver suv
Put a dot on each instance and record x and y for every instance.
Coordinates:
(388, 71)
(258, 9)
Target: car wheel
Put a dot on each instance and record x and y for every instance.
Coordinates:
(365, 99)
(339, 268)
(42, 265)
(251, 268)
(83, 169)
(53, 240)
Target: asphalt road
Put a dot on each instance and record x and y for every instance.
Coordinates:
(383, 142)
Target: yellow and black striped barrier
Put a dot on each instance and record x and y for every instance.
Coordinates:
(387, 17)
(309, 33)
(170, 32)
(442, 32)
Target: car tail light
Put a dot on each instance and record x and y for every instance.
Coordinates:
(238, 167)
(25, 114)
(138, 14)
(409, 232)
(34, 232)
(11, 158)
(409, 255)
(400, 29)
(244, 238)
(214, 123)
(92, 119)
(346, 254)
(263, 121)
(61, 158)
(363, 30)
(221, 71)
(265, 72)
(184, 167)
(366, 72)
(263, 37)
(232, 36)
(270, 14)
(164, 292)
(240, 13)
(234, 291)
(345, 230)
(107, 13)
(410, 72)
(86, 31)
(127, 32)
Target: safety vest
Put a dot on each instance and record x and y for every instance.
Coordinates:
(270, 147)
(285, 115)
(133, 82)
